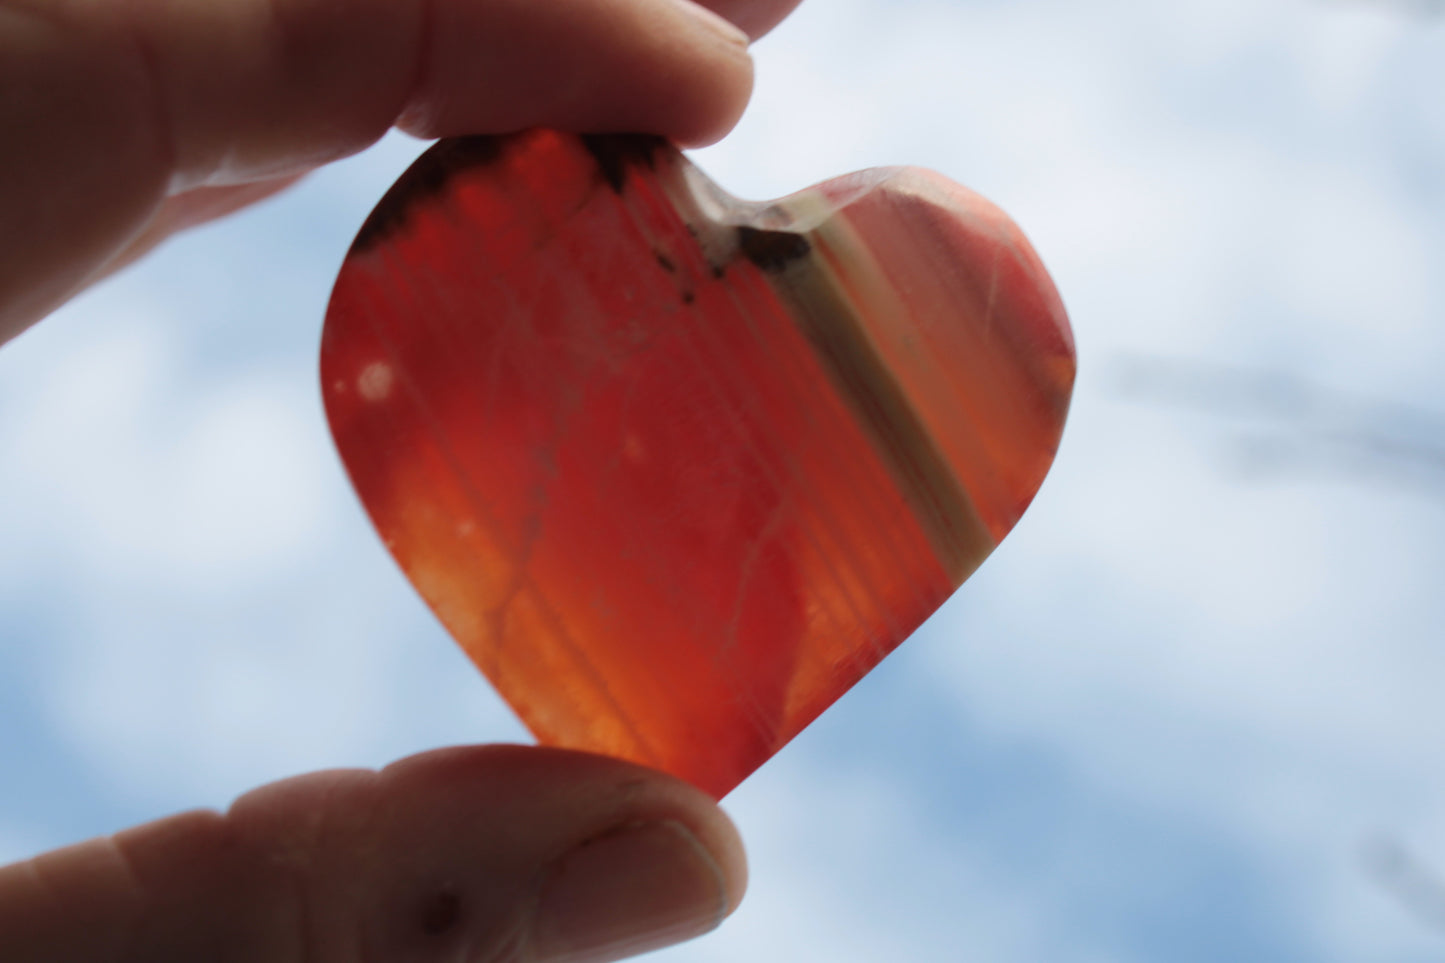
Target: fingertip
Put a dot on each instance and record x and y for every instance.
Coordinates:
(754, 17)
(716, 833)
(543, 789)
(594, 857)
(667, 67)
(732, 857)
(717, 111)
(721, 103)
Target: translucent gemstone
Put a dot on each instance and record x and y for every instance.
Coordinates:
(676, 470)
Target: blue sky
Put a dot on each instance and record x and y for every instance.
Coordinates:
(1167, 720)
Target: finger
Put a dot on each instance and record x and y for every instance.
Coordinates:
(201, 205)
(258, 87)
(193, 208)
(115, 105)
(755, 17)
(468, 854)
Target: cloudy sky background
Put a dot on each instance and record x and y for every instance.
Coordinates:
(1193, 709)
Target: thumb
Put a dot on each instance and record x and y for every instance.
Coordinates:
(491, 853)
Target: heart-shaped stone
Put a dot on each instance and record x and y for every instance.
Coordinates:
(676, 469)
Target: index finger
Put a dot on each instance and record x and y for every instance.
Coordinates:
(108, 107)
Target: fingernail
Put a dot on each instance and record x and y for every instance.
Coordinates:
(636, 889)
(716, 23)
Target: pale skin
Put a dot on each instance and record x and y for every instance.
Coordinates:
(125, 121)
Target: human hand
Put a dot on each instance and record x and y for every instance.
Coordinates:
(503, 854)
(126, 122)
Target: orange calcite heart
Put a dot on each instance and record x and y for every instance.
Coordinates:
(676, 469)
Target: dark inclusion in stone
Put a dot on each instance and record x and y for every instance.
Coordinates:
(772, 250)
(615, 152)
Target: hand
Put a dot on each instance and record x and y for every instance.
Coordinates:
(126, 122)
(502, 854)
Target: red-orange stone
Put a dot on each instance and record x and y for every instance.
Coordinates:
(677, 470)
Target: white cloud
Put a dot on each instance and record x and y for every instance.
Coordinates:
(822, 841)
(12, 846)
(1341, 52)
(219, 484)
(1261, 656)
